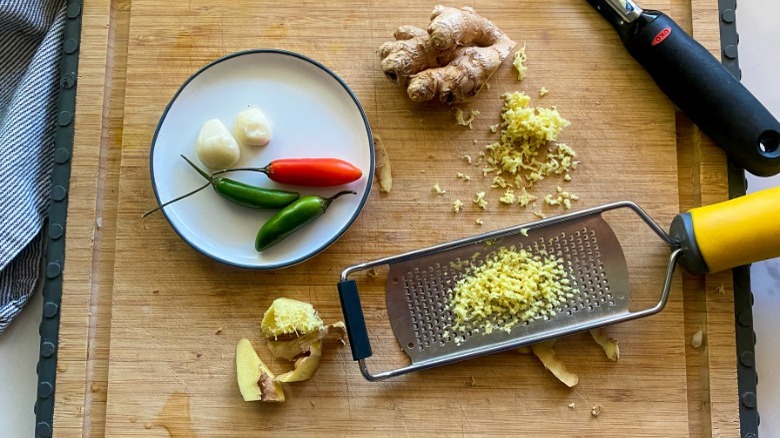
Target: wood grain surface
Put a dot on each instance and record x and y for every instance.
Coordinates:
(175, 316)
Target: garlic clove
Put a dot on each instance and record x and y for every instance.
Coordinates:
(252, 128)
(216, 147)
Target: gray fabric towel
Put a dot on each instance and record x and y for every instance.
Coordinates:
(30, 43)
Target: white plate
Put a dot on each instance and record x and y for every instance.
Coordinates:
(312, 112)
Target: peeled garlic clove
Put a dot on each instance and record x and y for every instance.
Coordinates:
(252, 128)
(216, 147)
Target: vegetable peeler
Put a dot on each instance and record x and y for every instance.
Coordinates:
(419, 284)
(699, 85)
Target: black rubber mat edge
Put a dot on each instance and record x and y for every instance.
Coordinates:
(747, 377)
(54, 228)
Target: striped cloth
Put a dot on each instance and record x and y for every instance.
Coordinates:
(30, 45)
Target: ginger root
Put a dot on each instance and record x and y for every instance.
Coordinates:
(452, 60)
(295, 333)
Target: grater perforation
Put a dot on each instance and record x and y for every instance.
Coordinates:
(430, 286)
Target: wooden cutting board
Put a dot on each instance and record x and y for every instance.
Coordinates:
(175, 316)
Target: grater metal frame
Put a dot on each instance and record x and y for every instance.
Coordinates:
(358, 333)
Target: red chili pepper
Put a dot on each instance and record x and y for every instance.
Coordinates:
(312, 172)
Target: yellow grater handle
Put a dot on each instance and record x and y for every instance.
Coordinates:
(739, 231)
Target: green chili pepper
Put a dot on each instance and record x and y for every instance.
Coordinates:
(293, 217)
(245, 194)
(238, 192)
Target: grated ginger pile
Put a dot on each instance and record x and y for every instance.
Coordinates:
(511, 287)
(525, 133)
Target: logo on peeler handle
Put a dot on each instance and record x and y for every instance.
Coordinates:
(661, 36)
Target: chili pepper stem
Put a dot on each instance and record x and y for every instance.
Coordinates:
(176, 199)
(264, 170)
(338, 195)
(200, 171)
(327, 201)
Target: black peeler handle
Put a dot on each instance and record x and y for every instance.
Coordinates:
(354, 320)
(704, 90)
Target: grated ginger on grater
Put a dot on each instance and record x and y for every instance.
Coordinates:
(511, 287)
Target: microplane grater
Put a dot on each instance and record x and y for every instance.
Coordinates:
(418, 290)
(420, 283)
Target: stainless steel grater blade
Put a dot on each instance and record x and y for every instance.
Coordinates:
(419, 290)
(420, 285)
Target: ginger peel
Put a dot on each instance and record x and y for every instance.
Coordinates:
(384, 173)
(450, 61)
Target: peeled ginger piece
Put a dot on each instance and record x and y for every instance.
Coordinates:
(252, 128)
(287, 316)
(255, 380)
(216, 147)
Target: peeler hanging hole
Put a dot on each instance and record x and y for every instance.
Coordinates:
(410, 345)
(395, 280)
(769, 143)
